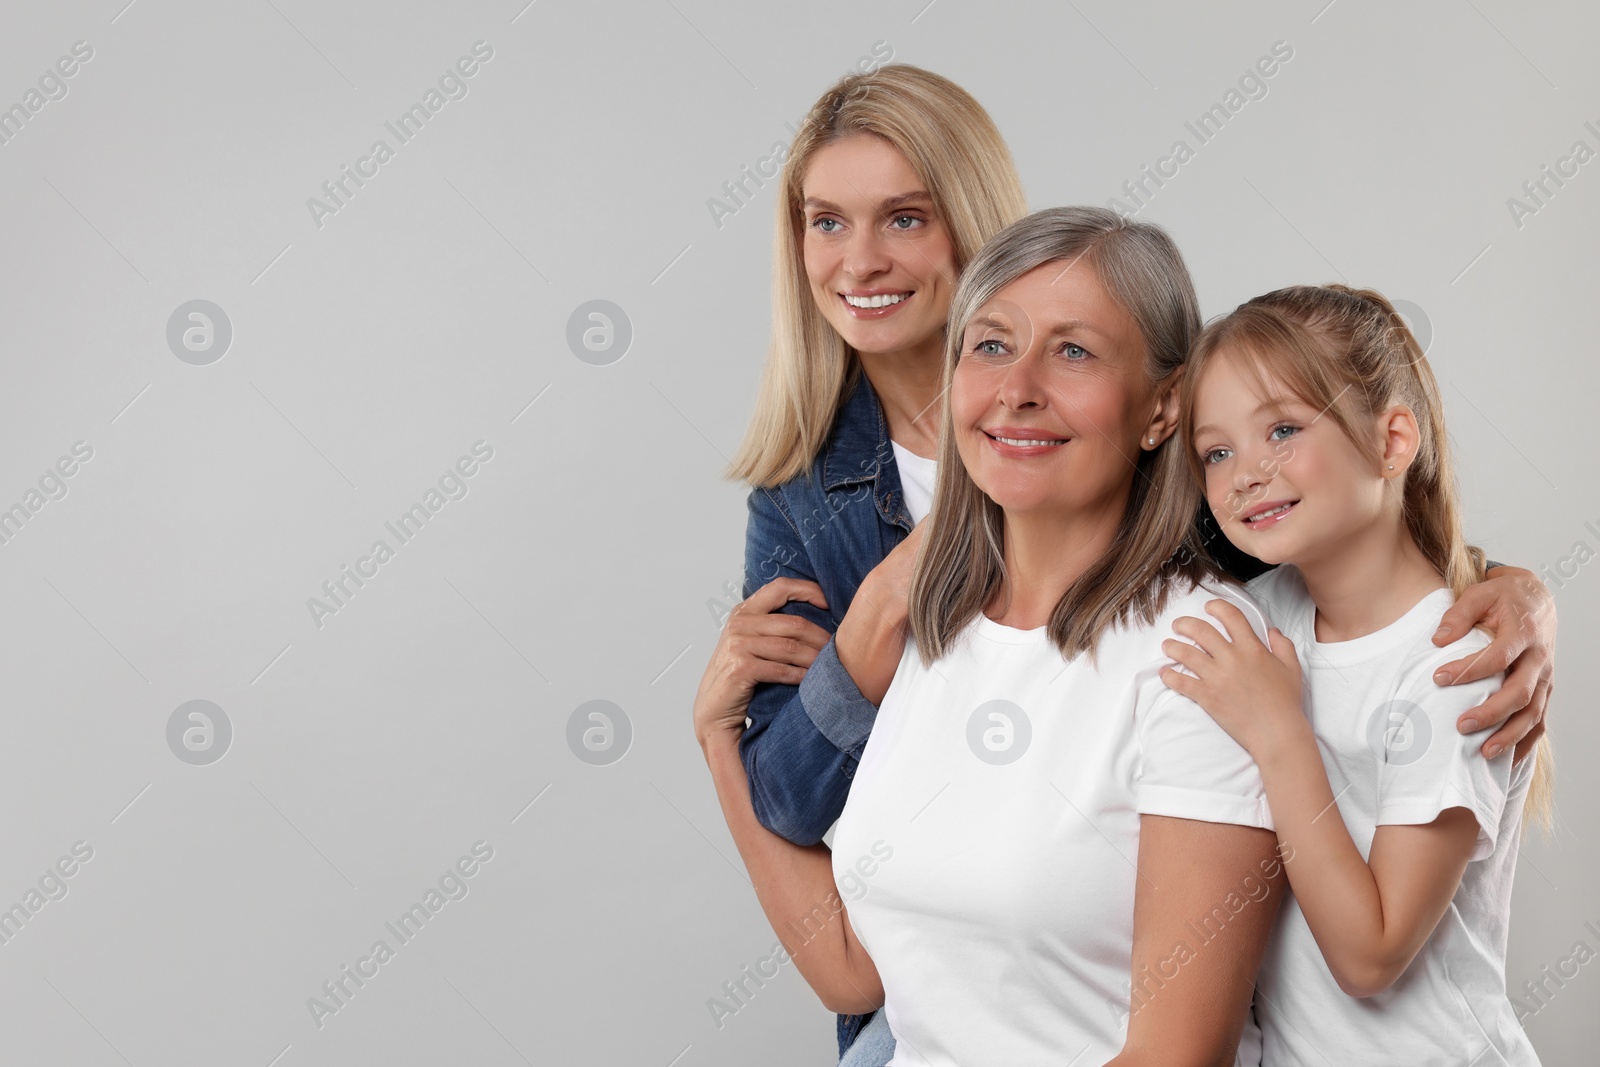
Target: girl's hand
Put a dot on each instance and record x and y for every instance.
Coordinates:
(758, 644)
(1517, 607)
(1253, 691)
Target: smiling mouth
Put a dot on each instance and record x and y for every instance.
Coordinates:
(1281, 509)
(883, 300)
(1024, 442)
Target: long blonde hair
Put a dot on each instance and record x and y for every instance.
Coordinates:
(960, 565)
(955, 148)
(1348, 353)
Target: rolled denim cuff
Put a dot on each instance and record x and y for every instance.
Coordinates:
(836, 707)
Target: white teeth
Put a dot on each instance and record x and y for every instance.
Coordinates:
(1029, 441)
(1268, 514)
(875, 301)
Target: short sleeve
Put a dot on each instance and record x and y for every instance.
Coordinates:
(1427, 766)
(1190, 768)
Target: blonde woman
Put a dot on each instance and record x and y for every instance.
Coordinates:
(893, 181)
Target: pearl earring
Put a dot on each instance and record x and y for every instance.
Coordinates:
(1152, 440)
(1391, 466)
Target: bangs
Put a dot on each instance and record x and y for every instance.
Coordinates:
(1283, 360)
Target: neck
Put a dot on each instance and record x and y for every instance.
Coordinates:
(1045, 553)
(1368, 580)
(908, 383)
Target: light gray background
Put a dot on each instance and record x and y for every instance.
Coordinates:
(585, 560)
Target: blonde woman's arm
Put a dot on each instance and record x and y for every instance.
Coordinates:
(796, 888)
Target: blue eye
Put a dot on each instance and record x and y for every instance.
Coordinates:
(1283, 426)
(1209, 456)
(912, 218)
(817, 223)
(1069, 348)
(998, 350)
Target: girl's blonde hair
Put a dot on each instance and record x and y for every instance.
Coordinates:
(955, 148)
(1349, 353)
(960, 565)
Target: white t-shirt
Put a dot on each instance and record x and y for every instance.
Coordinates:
(916, 480)
(996, 898)
(1388, 739)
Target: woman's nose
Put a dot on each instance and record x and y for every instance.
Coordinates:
(1022, 385)
(865, 255)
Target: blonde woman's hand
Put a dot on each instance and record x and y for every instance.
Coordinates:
(759, 643)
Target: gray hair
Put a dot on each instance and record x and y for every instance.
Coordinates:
(960, 564)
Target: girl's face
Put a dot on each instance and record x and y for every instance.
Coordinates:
(1285, 483)
(872, 236)
(1056, 366)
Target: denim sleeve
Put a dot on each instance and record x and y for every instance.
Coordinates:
(802, 744)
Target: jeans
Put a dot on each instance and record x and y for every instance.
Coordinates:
(873, 1046)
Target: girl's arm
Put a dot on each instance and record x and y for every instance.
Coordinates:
(1190, 997)
(1369, 917)
(796, 888)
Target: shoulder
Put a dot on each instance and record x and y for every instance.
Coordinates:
(1191, 598)
(1136, 643)
(1424, 657)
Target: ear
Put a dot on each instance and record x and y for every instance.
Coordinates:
(1399, 438)
(1164, 418)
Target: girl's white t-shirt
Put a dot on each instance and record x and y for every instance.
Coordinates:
(916, 480)
(1388, 738)
(986, 852)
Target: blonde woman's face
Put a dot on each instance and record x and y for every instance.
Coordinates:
(871, 235)
(1054, 361)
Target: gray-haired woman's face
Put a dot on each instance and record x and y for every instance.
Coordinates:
(1052, 360)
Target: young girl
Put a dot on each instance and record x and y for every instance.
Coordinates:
(1317, 429)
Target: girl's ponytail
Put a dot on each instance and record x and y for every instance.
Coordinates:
(1433, 512)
